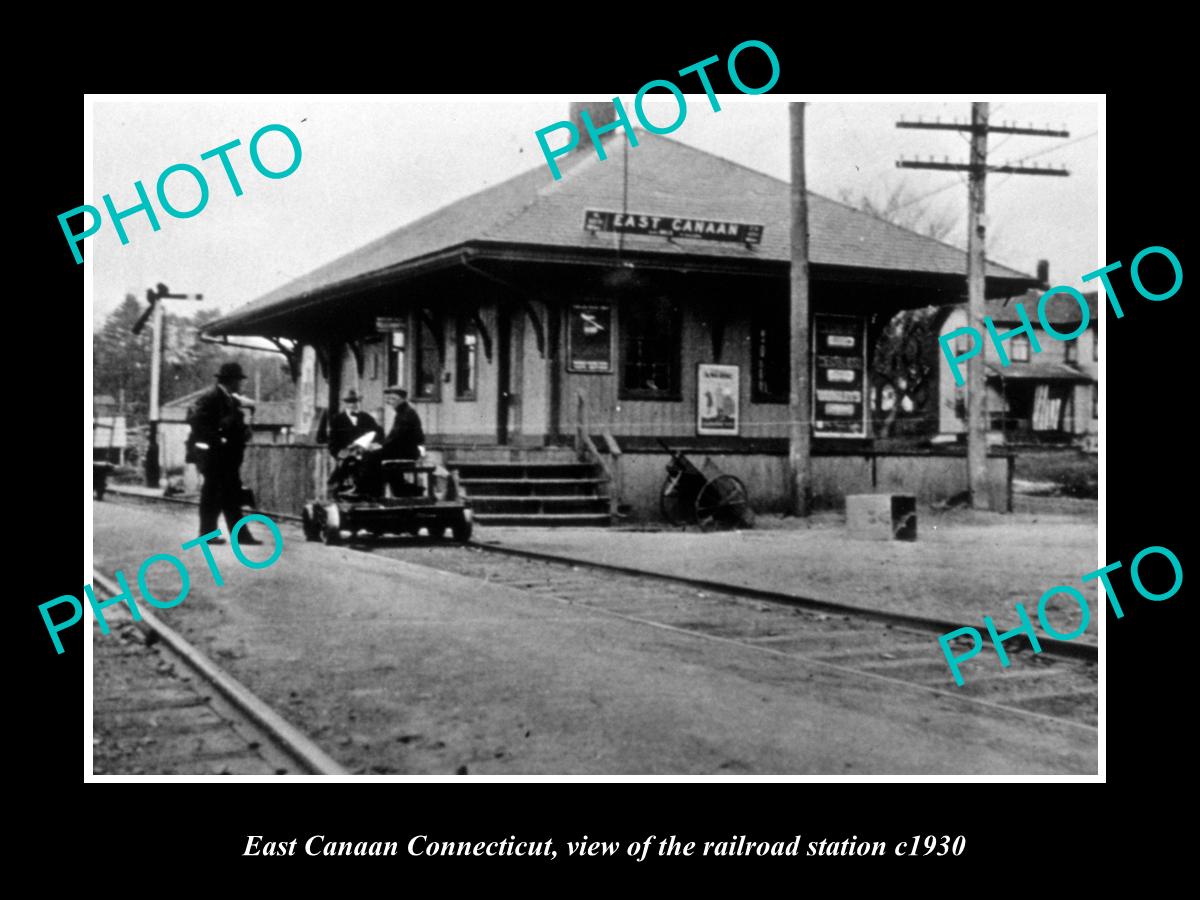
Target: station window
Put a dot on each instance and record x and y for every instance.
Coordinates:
(1018, 350)
(466, 359)
(772, 356)
(397, 358)
(650, 346)
(1071, 352)
(428, 363)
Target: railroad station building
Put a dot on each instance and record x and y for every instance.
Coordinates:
(644, 297)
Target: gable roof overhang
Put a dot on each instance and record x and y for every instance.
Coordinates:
(530, 219)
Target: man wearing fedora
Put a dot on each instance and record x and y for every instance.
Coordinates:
(350, 424)
(219, 436)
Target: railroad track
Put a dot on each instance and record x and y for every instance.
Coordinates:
(1058, 684)
(890, 648)
(160, 706)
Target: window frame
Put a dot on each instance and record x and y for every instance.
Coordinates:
(1020, 340)
(397, 375)
(464, 327)
(422, 325)
(674, 392)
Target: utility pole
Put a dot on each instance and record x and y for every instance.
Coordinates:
(977, 170)
(155, 296)
(800, 396)
(977, 307)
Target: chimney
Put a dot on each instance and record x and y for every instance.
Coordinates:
(1043, 272)
(601, 113)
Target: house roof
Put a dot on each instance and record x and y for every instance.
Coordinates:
(273, 413)
(1038, 371)
(1061, 309)
(665, 178)
(266, 413)
(176, 410)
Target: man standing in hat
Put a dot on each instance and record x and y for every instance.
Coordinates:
(350, 424)
(219, 436)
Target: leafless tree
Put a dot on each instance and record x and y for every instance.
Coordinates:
(898, 202)
(902, 360)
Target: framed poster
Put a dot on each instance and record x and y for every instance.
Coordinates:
(717, 399)
(839, 376)
(589, 338)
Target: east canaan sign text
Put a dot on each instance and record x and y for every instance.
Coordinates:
(672, 226)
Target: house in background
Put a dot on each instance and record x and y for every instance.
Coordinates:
(1048, 397)
(270, 423)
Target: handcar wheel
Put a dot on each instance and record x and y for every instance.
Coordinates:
(312, 531)
(723, 503)
(331, 529)
(462, 530)
(437, 532)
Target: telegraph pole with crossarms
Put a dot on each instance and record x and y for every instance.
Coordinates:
(977, 170)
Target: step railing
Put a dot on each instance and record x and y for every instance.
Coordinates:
(587, 451)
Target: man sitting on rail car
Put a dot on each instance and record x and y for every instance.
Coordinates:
(350, 424)
(404, 441)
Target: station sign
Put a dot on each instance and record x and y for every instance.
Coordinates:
(672, 226)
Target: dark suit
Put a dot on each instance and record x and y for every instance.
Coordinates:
(217, 421)
(344, 432)
(403, 441)
(405, 437)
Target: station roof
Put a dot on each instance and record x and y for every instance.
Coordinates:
(665, 178)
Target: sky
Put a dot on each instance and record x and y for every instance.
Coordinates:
(369, 167)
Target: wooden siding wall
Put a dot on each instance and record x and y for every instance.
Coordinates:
(285, 476)
(664, 418)
(932, 478)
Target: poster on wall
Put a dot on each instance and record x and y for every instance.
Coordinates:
(716, 399)
(839, 376)
(589, 338)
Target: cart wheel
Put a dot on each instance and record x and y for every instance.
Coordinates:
(462, 530)
(723, 503)
(312, 531)
(671, 502)
(331, 531)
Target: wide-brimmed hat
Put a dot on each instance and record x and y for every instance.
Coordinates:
(396, 390)
(229, 371)
(352, 397)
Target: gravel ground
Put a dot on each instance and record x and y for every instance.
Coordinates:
(964, 565)
(397, 668)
